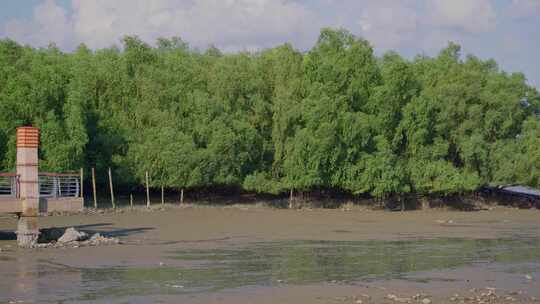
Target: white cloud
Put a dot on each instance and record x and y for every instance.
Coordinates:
(388, 24)
(50, 23)
(229, 24)
(251, 24)
(469, 16)
(524, 8)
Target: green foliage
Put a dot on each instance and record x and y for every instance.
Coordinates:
(335, 117)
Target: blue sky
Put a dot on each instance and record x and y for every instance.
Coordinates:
(505, 30)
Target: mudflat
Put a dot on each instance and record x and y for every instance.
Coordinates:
(247, 254)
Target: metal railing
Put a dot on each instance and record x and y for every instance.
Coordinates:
(50, 185)
(9, 185)
(59, 185)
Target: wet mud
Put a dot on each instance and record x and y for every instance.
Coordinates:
(247, 255)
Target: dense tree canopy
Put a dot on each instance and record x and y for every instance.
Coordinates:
(335, 117)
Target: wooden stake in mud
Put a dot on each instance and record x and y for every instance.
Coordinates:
(162, 195)
(94, 186)
(182, 196)
(291, 197)
(131, 200)
(82, 184)
(112, 191)
(147, 192)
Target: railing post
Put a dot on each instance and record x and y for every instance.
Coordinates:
(56, 187)
(81, 184)
(14, 183)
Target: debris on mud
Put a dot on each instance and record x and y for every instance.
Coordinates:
(444, 222)
(71, 237)
(477, 296)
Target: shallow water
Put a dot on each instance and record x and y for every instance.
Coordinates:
(262, 264)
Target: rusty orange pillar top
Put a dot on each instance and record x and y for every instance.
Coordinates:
(27, 169)
(27, 137)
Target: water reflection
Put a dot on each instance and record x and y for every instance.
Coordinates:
(265, 264)
(27, 280)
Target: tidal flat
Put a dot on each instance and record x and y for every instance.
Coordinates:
(253, 254)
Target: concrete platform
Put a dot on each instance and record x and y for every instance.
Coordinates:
(10, 205)
(58, 204)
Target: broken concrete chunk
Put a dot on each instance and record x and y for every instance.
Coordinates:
(72, 235)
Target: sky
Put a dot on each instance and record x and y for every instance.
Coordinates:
(505, 30)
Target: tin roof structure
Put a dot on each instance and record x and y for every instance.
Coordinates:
(521, 190)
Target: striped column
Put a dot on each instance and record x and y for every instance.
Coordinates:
(27, 170)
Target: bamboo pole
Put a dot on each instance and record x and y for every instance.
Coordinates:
(111, 187)
(182, 196)
(162, 195)
(94, 186)
(147, 192)
(82, 184)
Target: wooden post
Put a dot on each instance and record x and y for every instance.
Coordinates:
(182, 196)
(94, 186)
(291, 197)
(131, 200)
(82, 184)
(162, 195)
(147, 192)
(111, 187)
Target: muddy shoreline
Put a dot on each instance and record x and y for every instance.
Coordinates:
(149, 237)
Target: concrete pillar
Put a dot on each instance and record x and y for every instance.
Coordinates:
(27, 170)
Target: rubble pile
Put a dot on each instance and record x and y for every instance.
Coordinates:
(71, 237)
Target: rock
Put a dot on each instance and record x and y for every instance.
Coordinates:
(426, 301)
(72, 235)
(97, 240)
(50, 234)
(396, 299)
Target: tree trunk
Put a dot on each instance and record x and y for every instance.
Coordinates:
(182, 196)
